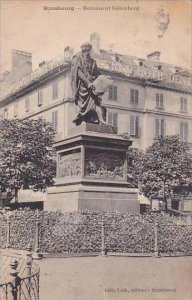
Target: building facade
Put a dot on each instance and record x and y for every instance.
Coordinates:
(148, 98)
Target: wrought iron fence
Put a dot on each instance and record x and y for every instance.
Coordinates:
(28, 288)
(70, 238)
(128, 239)
(145, 237)
(174, 239)
(22, 282)
(4, 290)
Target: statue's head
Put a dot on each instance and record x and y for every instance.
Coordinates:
(86, 49)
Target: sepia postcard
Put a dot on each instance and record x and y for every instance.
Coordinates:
(143, 49)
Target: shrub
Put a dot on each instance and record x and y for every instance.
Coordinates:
(81, 232)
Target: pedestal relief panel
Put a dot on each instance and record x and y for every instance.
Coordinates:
(69, 164)
(104, 164)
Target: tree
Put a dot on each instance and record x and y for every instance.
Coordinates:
(27, 159)
(165, 169)
(135, 157)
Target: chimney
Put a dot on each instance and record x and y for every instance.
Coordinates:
(42, 63)
(95, 42)
(68, 51)
(21, 64)
(154, 56)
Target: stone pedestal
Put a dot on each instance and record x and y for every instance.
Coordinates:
(92, 172)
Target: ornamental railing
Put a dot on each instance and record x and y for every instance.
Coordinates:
(19, 275)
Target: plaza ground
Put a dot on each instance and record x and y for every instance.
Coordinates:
(116, 278)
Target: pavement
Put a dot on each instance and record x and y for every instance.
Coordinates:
(116, 278)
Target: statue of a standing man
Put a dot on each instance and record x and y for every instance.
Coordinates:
(84, 71)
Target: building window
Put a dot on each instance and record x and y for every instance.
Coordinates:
(159, 127)
(134, 126)
(159, 101)
(27, 104)
(55, 89)
(183, 104)
(113, 93)
(16, 109)
(40, 97)
(54, 119)
(113, 119)
(5, 113)
(184, 131)
(134, 96)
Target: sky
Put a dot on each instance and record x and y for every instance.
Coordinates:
(25, 25)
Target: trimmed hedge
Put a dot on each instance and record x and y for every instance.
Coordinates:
(81, 231)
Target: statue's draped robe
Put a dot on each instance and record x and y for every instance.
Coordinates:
(84, 71)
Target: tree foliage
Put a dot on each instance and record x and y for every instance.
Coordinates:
(135, 157)
(165, 168)
(27, 159)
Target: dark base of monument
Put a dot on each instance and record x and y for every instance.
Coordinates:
(92, 172)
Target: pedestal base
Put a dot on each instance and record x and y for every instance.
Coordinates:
(92, 172)
(79, 197)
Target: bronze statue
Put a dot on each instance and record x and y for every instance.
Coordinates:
(84, 72)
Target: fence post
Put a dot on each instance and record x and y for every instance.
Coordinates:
(156, 250)
(103, 250)
(14, 281)
(36, 254)
(28, 267)
(8, 232)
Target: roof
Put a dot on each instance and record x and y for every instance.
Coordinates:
(129, 66)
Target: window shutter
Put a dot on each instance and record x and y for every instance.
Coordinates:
(162, 132)
(157, 100)
(185, 132)
(157, 127)
(110, 118)
(181, 103)
(185, 104)
(164, 128)
(132, 125)
(181, 131)
(137, 126)
(132, 96)
(54, 120)
(161, 100)
(115, 93)
(115, 120)
(110, 92)
(136, 96)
